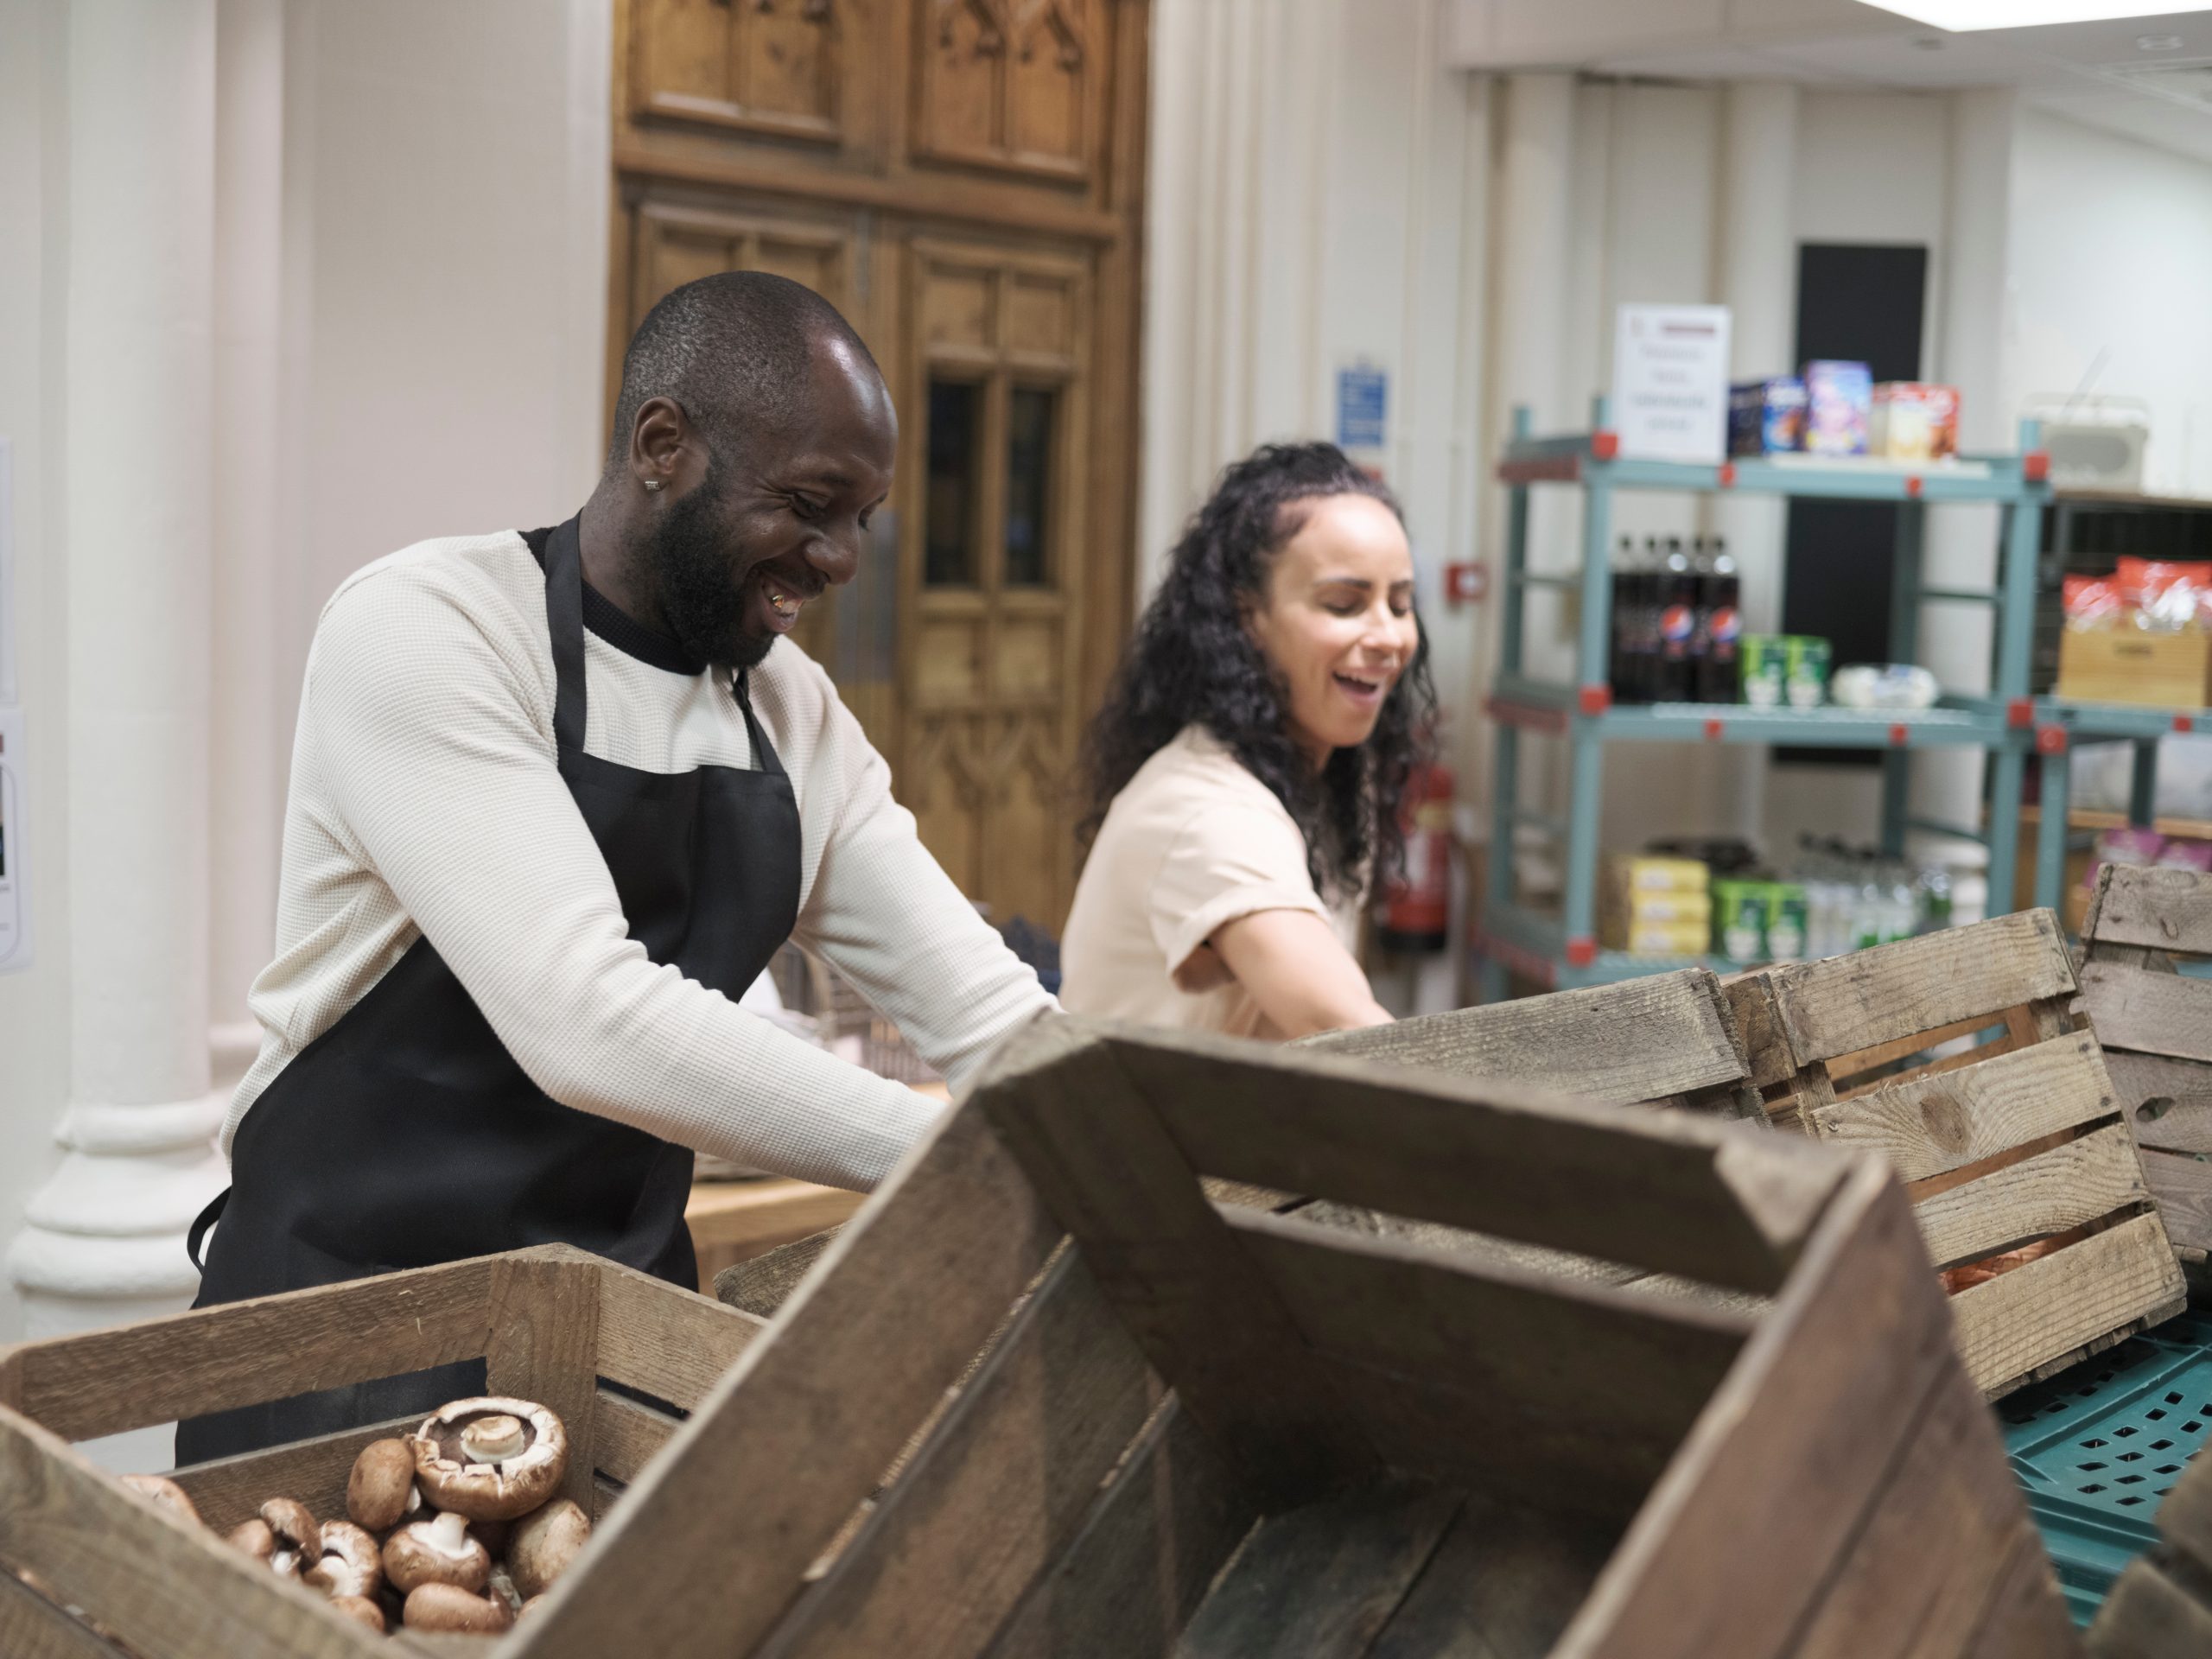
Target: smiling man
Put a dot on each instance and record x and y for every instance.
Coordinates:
(556, 797)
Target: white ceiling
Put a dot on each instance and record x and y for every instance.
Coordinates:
(2148, 78)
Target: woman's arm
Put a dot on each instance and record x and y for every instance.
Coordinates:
(1293, 965)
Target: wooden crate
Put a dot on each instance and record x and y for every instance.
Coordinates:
(2013, 1143)
(2156, 1028)
(2160, 1607)
(1370, 1448)
(552, 1323)
(2167, 671)
(1667, 1040)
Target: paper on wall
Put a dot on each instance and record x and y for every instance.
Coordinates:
(1671, 382)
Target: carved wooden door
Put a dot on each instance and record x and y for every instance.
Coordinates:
(963, 178)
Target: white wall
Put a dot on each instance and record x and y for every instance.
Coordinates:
(2111, 250)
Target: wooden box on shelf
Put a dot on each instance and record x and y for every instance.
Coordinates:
(2156, 1027)
(1372, 1447)
(2027, 1187)
(2166, 670)
(553, 1324)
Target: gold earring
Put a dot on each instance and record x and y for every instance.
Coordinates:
(654, 484)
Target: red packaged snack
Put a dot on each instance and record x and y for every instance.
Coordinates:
(2092, 602)
(2168, 595)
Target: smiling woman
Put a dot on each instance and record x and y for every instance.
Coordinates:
(1246, 766)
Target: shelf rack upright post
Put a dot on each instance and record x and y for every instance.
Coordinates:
(1562, 952)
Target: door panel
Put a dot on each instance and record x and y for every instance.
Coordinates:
(765, 65)
(1008, 84)
(990, 717)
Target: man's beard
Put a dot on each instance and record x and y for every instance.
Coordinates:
(703, 600)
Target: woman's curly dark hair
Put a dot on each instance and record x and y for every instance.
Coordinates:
(1193, 660)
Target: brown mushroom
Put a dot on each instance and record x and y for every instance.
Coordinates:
(545, 1541)
(380, 1492)
(167, 1493)
(296, 1537)
(349, 1563)
(254, 1538)
(362, 1609)
(490, 1458)
(449, 1607)
(436, 1551)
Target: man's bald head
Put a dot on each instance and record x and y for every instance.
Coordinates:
(735, 351)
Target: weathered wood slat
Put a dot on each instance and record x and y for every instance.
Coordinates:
(2024, 1617)
(2181, 1184)
(2165, 909)
(626, 1436)
(1846, 1004)
(1145, 1556)
(672, 1343)
(1921, 1573)
(159, 1582)
(2137, 1079)
(229, 1490)
(2068, 1185)
(2009, 1324)
(1664, 1191)
(243, 1353)
(762, 1284)
(2147, 1616)
(1848, 1066)
(1543, 1354)
(805, 1424)
(1503, 1585)
(1941, 1123)
(1320, 1581)
(31, 1627)
(991, 1500)
(1089, 1137)
(544, 1343)
(1641, 1039)
(2151, 1012)
(1790, 1456)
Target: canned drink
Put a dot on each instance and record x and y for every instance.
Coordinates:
(1740, 919)
(1786, 921)
(1762, 659)
(1805, 672)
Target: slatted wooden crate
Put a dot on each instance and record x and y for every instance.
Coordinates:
(550, 1323)
(2156, 1028)
(2013, 1145)
(1667, 1040)
(2160, 1607)
(1371, 1448)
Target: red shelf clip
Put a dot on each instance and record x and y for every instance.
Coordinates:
(1604, 445)
(1912, 487)
(1897, 735)
(2020, 712)
(1727, 474)
(2184, 723)
(2050, 740)
(1594, 700)
(2035, 465)
(1580, 953)
(1714, 729)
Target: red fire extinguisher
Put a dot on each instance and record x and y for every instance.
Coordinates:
(1416, 909)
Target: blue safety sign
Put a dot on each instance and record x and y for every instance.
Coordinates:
(1362, 407)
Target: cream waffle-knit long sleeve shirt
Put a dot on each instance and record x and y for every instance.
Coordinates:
(425, 801)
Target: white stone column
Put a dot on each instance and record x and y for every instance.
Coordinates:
(1756, 277)
(1529, 240)
(1962, 545)
(105, 1238)
(248, 735)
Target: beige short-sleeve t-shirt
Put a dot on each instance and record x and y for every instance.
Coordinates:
(1192, 842)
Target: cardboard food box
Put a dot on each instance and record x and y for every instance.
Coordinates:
(1914, 420)
(2166, 670)
(1839, 396)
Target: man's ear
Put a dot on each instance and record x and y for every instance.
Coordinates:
(660, 440)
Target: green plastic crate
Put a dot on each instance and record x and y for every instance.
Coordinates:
(2098, 1446)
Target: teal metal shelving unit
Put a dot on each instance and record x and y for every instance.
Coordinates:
(1562, 952)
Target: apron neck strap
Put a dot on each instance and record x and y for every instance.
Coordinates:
(564, 615)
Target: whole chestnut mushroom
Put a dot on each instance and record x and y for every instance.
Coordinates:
(436, 1551)
(380, 1492)
(490, 1458)
(546, 1541)
(449, 1607)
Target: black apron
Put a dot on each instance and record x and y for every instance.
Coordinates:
(407, 1136)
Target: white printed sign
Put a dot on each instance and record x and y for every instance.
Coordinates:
(1671, 382)
(7, 694)
(15, 846)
